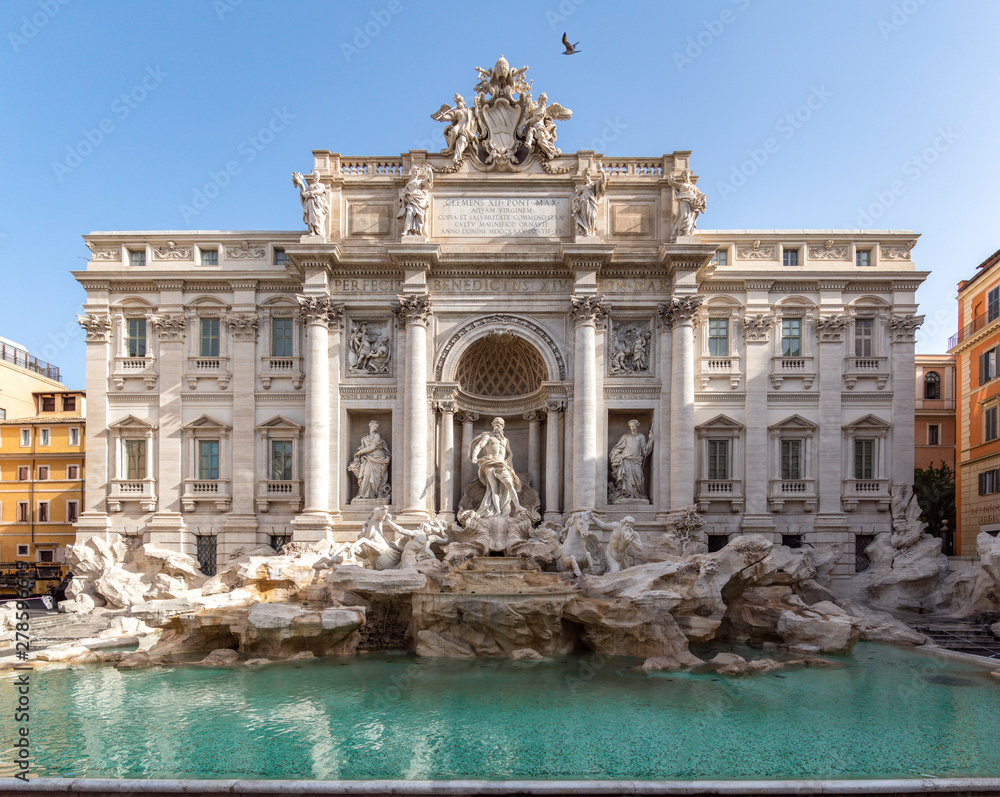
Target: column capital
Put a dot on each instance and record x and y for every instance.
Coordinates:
(587, 309)
(680, 310)
(904, 327)
(96, 326)
(445, 406)
(831, 328)
(170, 328)
(467, 416)
(756, 327)
(319, 310)
(413, 309)
(243, 326)
(534, 415)
(555, 405)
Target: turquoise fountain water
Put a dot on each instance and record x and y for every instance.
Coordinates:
(888, 712)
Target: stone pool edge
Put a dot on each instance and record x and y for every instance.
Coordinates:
(378, 788)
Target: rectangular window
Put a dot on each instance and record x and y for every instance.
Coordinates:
(718, 459)
(863, 258)
(23, 473)
(135, 459)
(44, 437)
(135, 340)
(281, 257)
(993, 305)
(208, 459)
(790, 257)
(988, 482)
(207, 554)
(25, 437)
(791, 460)
(793, 541)
(72, 472)
(864, 336)
(46, 556)
(990, 424)
(716, 542)
(72, 511)
(22, 550)
(48, 403)
(43, 473)
(721, 257)
(74, 436)
(23, 514)
(933, 434)
(43, 511)
(210, 257)
(137, 257)
(281, 460)
(3, 414)
(69, 403)
(791, 337)
(281, 337)
(718, 337)
(209, 338)
(864, 459)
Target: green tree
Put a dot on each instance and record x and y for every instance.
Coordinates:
(935, 492)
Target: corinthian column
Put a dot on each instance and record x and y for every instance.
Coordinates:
(679, 313)
(903, 329)
(467, 471)
(319, 314)
(553, 459)
(585, 312)
(446, 466)
(534, 448)
(414, 313)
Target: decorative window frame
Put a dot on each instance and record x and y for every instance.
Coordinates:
(199, 367)
(122, 489)
(804, 491)
(215, 491)
(279, 491)
(877, 366)
(803, 366)
(722, 367)
(125, 367)
(868, 490)
(721, 490)
(272, 367)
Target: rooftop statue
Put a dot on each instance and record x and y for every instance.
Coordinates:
(414, 199)
(315, 202)
(690, 202)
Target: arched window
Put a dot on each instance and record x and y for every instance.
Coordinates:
(932, 386)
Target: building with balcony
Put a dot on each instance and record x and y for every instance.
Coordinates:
(42, 472)
(233, 376)
(934, 416)
(976, 348)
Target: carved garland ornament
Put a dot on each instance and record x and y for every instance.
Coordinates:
(104, 252)
(171, 251)
(898, 251)
(755, 328)
(96, 327)
(319, 310)
(755, 252)
(243, 326)
(828, 252)
(246, 250)
(169, 327)
(832, 328)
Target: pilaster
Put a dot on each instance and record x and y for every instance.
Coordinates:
(757, 469)
(94, 516)
(414, 313)
(586, 312)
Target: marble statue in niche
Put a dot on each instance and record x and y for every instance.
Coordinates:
(629, 348)
(628, 458)
(369, 350)
(496, 472)
(371, 466)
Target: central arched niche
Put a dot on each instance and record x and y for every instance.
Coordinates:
(500, 365)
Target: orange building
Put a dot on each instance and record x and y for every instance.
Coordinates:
(41, 486)
(977, 350)
(934, 411)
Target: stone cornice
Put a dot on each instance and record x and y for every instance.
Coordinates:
(413, 256)
(586, 257)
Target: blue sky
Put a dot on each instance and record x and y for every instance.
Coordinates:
(877, 114)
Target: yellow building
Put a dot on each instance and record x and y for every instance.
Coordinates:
(41, 486)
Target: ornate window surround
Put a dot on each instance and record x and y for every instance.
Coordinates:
(272, 367)
(803, 490)
(279, 491)
(803, 366)
(730, 490)
(728, 366)
(125, 367)
(877, 366)
(206, 367)
(877, 489)
(122, 489)
(198, 490)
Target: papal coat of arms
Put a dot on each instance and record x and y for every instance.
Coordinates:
(505, 126)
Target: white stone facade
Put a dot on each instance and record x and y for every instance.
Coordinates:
(774, 368)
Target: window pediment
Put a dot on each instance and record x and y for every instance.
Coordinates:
(206, 423)
(131, 422)
(868, 422)
(795, 423)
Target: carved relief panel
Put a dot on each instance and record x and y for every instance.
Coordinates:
(629, 347)
(369, 347)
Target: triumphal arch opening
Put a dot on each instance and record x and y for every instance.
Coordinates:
(490, 339)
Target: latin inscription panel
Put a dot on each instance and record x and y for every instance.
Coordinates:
(507, 217)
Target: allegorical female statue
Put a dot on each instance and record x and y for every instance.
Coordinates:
(371, 465)
(315, 202)
(627, 459)
(414, 199)
(585, 200)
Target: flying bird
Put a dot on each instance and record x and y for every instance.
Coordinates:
(570, 48)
